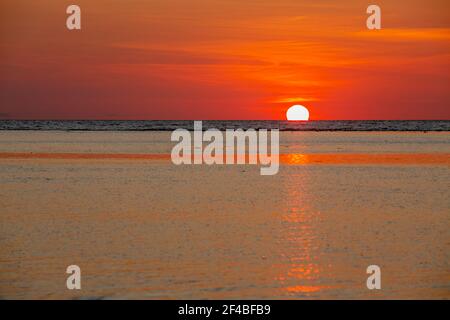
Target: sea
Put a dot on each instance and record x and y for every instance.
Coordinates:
(145, 228)
(169, 125)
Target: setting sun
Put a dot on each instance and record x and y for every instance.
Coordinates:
(297, 113)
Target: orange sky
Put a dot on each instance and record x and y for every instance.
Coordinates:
(224, 59)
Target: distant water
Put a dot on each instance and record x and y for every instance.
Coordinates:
(168, 125)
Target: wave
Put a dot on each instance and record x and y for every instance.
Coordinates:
(169, 125)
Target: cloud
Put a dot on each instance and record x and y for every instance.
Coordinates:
(135, 53)
(397, 34)
(295, 99)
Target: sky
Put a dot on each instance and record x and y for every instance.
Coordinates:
(224, 59)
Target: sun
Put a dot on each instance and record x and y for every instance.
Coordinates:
(297, 113)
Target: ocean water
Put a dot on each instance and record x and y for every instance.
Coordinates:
(148, 229)
(168, 125)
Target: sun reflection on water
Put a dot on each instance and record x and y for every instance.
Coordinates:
(301, 245)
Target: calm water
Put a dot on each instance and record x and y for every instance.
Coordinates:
(166, 125)
(149, 229)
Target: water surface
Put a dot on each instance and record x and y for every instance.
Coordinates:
(147, 229)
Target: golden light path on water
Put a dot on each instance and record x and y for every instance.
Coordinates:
(301, 247)
(289, 158)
